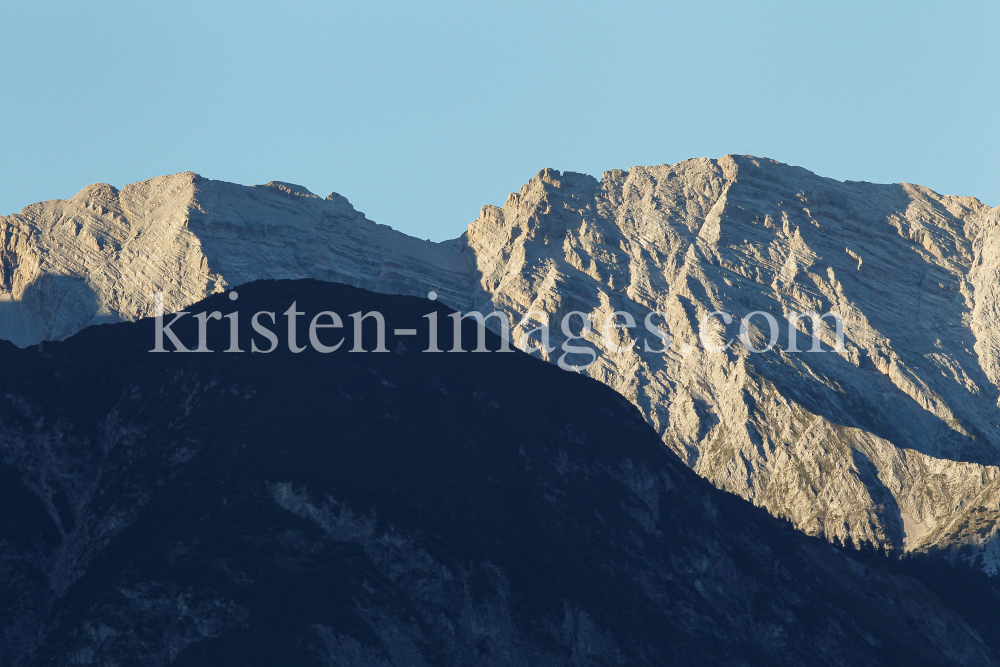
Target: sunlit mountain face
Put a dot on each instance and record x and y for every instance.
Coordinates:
(878, 424)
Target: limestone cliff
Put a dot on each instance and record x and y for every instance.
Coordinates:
(894, 439)
(100, 256)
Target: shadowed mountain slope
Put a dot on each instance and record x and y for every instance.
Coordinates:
(397, 508)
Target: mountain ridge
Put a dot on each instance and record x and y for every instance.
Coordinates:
(893, 442)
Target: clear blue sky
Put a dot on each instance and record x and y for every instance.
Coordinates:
(420, 113)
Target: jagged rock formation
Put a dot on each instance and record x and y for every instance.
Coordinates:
(263, 509)
(894, 439)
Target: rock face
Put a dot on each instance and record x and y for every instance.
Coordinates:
(100, 256)
(263, 509)
(892, 439)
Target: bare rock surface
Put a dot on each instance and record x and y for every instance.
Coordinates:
(102, 255)
(892, 439)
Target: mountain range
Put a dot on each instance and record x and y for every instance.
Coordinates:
(890, 439)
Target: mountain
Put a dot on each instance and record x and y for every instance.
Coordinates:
(891, 440)
(101, 255)
(397, 508)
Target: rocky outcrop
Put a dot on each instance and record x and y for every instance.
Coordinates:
(892, 439)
